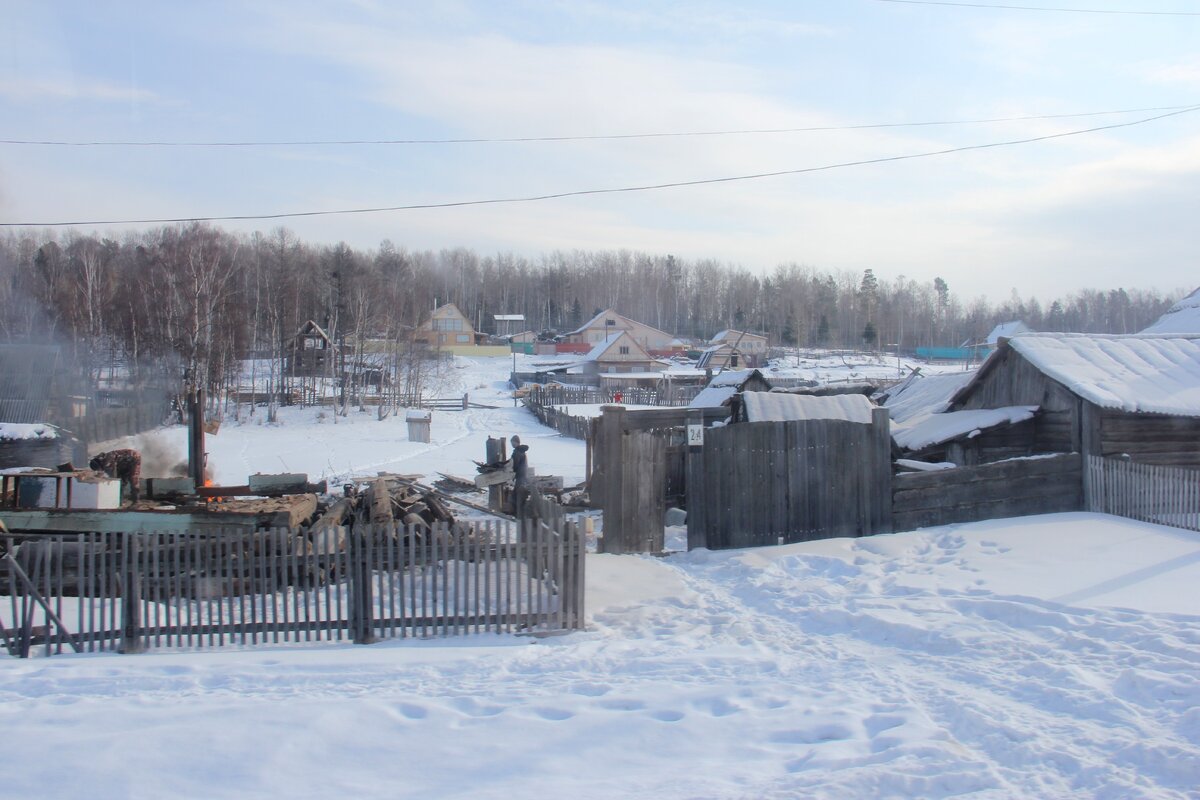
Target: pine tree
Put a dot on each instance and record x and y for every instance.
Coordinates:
(869, 335)
(823, 331)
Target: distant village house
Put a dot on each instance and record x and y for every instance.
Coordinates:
(605, 325)
(446, 327)
(309, 352)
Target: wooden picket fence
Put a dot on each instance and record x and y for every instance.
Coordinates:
(1146, 492)
(130, 592)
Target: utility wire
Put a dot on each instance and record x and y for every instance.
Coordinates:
(1047, 8)
(583, 192)
(598, 137)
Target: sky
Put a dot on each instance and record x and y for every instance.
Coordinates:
(1107, 209)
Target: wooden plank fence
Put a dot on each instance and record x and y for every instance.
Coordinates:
(559, 395)
(103, 425)
(1146, 492)
(562, 421)
(1013, 488)
(130, 592)
(765, 483)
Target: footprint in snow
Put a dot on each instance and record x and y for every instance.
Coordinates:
(823, 732)
(473, 708)
(667, 715)
(412, 711)
(553, 714)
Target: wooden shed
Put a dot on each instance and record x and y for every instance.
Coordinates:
(1136, 396)
(724, 385)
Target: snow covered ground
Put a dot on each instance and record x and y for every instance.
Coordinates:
(1043, 657)
(1047, 657)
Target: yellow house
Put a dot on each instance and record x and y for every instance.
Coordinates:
(446, 327)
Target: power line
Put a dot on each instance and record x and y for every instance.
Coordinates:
(597, 137)
(1048, 8)
(583, 192)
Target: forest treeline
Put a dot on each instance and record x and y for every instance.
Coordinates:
(206, 298)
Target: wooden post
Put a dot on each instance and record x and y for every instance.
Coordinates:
(196, 436)
(608, 450)
(361, 610)
(880, 485)
(697, 534)
(131, 596)
(493, 455)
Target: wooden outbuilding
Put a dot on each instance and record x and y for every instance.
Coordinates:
(723, 386)
(1136, 397)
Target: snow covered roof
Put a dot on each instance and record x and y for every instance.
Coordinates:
(27, 430)
(1183, 317)
(924, 395)
(713, 397)
(633, 376)
(731, 335)
(621, 321)
(773, 407)
(731, 378)
(1007, 330)
(934, 429)
(1147, 374)
(312, 327)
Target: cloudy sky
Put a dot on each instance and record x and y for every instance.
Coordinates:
(1118, 207)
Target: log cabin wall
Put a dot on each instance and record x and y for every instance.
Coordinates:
(1149, 438)
(995, 444)
(1013, 381)
(989, 491)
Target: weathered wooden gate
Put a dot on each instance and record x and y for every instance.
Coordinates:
(765, 483)
(635, 501)
(631, 473)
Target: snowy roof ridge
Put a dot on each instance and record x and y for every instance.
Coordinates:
(772, 407)
(941, 428)
(923, 395)
(1183, 317)
(1135, 373)
(1007, 330)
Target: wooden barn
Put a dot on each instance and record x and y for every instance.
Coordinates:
(1115, 396)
